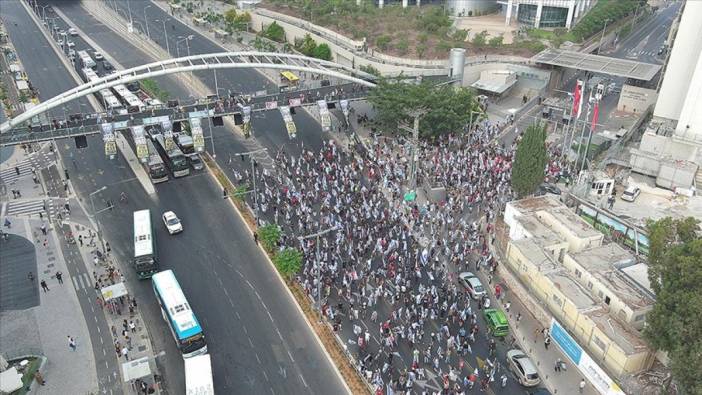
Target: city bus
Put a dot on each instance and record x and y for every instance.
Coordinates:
(198, 375)
(154, 166)
(145, 256)
(176, 311)
(174, 158)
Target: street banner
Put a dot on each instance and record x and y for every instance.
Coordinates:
(595, 116)
(142, 150)
(246, 112)
(168, 141)
(108, 137)
(587, 366)
(271, 105)
(324, 116)
(289, 124)
(196, 134)
(155, 120)
(577, 99)
(295, 102)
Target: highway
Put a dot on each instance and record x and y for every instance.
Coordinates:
(258, 341)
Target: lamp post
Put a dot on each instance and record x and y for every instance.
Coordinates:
(417, 114)
(43, 12)
(94, 215)
(318, 263)
(168, 49)
(146, 21)
(253, 172)
(602, 37)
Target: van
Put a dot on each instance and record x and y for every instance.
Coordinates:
(496, 322)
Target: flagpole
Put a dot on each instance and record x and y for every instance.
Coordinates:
(598, 96)
(582, 134)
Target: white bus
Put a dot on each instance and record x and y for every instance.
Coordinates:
(145, 256)
(86, 60)
(198, 375)
(176, 311)
(158, 172)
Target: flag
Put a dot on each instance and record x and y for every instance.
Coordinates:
(577, 99)
(595, 115)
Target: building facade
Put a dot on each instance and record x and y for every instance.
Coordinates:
(546, 13)
(570, 268)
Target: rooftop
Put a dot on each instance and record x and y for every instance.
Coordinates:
(571, 289)
(603, 258)
(639, 274)
(628, 339)
(597, 63)
(574, 223)
(539, 231)
(627, 292)
(536, 256)
(534, 204)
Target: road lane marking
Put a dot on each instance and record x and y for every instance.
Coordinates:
(257, 358)
(303, 380)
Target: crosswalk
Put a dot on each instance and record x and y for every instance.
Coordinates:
(52, 207)
(81, 281)
(10, 175)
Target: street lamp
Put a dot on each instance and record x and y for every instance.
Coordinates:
(187, 43)
(146, 21)
(168, 49)
(253, 172)
(43, 12)
(318, 264)
(602, 37)
(94, 215)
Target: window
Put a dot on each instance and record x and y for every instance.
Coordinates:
(607, 300)
(640, 317)
(599, 343)
(589, 284)
(622, 314)
(557, 300)
(578, 273)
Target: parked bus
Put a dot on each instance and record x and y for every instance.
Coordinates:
(176, 311)
(145, 256)
(198, 375)
(154, 166)
(176, 161)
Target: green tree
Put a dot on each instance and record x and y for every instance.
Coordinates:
(230, 16)
(496, 41)
(269, 236)
(383, 41)
(322, 51)
(274, 32)
(530, 161)
(448, 109)
(370, 70)
(306, 45)
(480, 39)
(288, 262)
(675, 274)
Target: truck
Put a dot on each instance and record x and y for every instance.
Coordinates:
(198, 375)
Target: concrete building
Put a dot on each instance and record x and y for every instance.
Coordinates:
(546, 13)
(461, 8)
(671, 149)
(582, 280)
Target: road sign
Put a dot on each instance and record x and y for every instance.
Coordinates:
(271, 105)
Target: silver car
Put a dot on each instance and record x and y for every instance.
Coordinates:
(472, 284)
(523, 368)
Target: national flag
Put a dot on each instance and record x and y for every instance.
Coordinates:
(577, 99)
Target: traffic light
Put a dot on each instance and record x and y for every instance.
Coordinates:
(81, 142)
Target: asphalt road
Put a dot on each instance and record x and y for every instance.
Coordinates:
(258, 341)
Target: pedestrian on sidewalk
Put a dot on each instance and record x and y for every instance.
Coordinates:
(59, 277)
(65, 186)
(39, 378)
(547, 341)
(72, 343)
(8, 224)
(43, 229)
(80, 240)
(125, 353)
(557, 367)
(582, 385)
(44, 286)
(255, 236)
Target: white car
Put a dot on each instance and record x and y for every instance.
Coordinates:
(73, 32)
(98, 56)
(523, 368)
(71, 44)
(172, 222)
(631, 193)
(472, 284)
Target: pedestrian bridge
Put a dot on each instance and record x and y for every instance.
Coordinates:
(213, 61)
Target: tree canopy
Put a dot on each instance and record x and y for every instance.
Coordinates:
(448, 109)
(675, 273)
(530, 160)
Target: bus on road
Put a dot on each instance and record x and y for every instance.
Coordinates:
(174, 158)
(145, 257)
(198, 375)
(154, 166)
(176, 311)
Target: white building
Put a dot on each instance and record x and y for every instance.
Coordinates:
(671, 150)
(546, 13)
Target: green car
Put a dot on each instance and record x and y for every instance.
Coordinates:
(496, 320)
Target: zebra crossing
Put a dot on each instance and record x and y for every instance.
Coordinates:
(9, 175)
(81, 281)
(51, 208)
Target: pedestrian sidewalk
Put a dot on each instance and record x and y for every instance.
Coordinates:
(528, 332)
(45, 328)
(127, 327)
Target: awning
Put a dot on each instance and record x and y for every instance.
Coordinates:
(114, 291)
(136, 369)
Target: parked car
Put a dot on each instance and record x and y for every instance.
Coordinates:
(472, 284)
(172, 222)
(73, 32)
(631, 193)
(98, 56)
(523, 368)
(547, 188)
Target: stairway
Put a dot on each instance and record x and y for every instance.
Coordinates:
(698, 181)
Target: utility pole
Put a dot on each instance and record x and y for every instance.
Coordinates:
(602, 37)
(416, 114)
(318, 263)
(253, 176)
